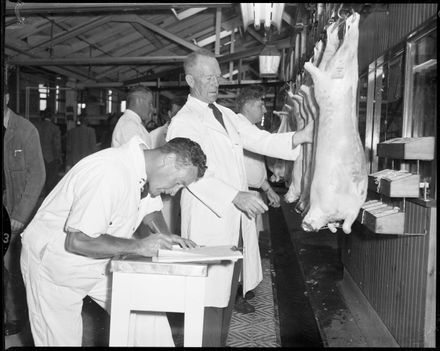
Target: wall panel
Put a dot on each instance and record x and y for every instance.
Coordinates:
(382, 30)
(391, 271)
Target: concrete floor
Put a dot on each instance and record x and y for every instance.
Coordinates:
(319, 258)
(343, 314)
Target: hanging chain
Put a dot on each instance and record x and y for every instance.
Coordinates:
(18, 6)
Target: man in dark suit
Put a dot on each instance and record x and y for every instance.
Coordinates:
(50, 139)
(24, 177)
(80, 142)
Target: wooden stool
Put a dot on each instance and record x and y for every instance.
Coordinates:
(142, 285)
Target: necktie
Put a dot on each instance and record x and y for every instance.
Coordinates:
(217, 114)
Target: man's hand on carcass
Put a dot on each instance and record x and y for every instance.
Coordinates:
(304, 135)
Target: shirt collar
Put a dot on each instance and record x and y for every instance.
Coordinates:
(200, 102)
(132, 114)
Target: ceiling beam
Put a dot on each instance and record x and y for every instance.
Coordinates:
(30, 9)
(207, 21)
(218, 22)
(255, 34)
(175, 85)
(66, 72)
(165, 33)
(187, 13)
(73, 32)
(166, 72)
(99, 61)
(201, 21)
(148, 35)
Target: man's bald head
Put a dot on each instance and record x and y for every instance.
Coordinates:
(136, 93)
(140, 100)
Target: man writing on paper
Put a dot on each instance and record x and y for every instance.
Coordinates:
(219, 210)
(90, 217)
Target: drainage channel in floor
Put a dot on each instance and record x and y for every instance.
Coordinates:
(298, 326)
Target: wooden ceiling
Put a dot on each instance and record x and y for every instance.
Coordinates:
(120, 44)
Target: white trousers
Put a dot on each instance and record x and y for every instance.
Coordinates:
(55, 311)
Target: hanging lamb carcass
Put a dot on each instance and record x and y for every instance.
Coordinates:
(339, 182)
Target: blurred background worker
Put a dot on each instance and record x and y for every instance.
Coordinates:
(50, 139)
(138, 113)
(171, 204)
(250, 104)
(24, 175)
(158, 135)
(80, 142)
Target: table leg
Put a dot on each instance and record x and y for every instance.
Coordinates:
(194, 311)
(120, 311)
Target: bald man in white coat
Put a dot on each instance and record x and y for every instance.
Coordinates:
(219, 210)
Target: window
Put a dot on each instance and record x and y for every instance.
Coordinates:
(44, 93)
(57, 97)
(391, 119)
(123, 105)
(109, 101)
(424, 85)
(421, 94)
(398, 98)
(81, 106)
(362, 106)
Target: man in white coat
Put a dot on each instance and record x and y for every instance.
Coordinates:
(219, 209)
(90, 217)
(138, 113)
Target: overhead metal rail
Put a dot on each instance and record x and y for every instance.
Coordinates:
(93, 8)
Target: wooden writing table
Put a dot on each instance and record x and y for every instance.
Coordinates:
(142, 285)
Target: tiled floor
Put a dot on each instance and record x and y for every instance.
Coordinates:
(260, 328)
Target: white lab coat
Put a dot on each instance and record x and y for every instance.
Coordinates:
(208, 215)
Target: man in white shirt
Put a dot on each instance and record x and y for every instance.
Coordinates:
(90, 217)
(219, 209)
(138, 113)
(250, 104)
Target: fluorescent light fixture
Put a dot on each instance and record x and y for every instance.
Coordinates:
(268, 13)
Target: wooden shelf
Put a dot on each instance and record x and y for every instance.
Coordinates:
(407, 148)
(385, 222)
(406, 186)
(395, 183)
(380, 218)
